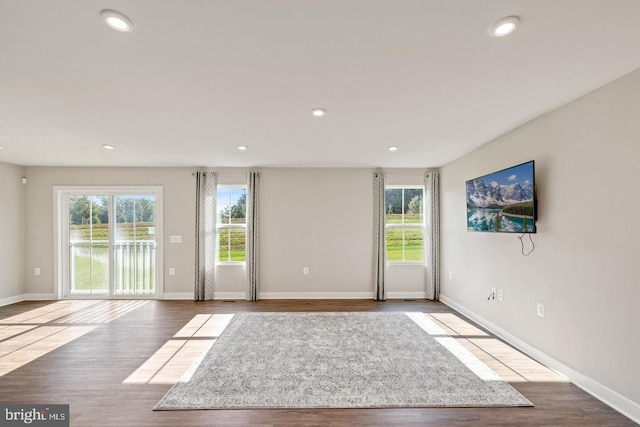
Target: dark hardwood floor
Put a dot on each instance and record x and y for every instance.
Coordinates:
(84, 354)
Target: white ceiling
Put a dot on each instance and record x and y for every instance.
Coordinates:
(197, 78)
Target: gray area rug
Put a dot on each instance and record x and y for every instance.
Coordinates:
(337, 360)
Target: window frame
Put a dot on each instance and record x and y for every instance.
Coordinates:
(61, 194)
(229, 226)
(403, 225)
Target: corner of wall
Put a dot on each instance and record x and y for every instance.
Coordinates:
(13, 232)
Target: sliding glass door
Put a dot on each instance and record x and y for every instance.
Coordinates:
(110, 243)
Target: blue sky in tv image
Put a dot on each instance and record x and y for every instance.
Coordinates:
(521, 174)
(502, 201)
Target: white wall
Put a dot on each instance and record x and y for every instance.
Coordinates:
(321, 219)
(12, 234)
(315, 218)
(585, 267)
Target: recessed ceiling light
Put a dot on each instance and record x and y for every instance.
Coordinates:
(318, 112)
(108, 147)
(117, 20)
(504, 26)
(242, 147)
(393, 148)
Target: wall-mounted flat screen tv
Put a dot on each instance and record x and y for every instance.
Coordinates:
(503, 201)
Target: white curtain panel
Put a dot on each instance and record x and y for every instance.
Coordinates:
(379, 252)
(432, 238)
(253, 252)
(206, 215)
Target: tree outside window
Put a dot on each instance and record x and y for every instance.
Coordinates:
(404, 223)
(231, 223)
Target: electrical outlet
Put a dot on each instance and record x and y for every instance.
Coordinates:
(305, 270)
(450, 274)
(540, 310)
(500, 295)
(172, 271)
(36, 271)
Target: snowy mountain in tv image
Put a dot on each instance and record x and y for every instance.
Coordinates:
(502, 201)
(494, 195)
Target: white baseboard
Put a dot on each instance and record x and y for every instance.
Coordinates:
(297, 295)
(316, 295)
(216, 295)
(11, 300)
(177, 295)
(27, 297)
(406, 295)
(601, 392)
(229, 295)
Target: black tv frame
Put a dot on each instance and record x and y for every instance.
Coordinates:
(496, 175)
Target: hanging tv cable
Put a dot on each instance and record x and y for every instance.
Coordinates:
(533, 246)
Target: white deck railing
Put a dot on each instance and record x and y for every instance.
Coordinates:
(133, 270)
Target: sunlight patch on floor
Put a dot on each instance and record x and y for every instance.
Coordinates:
(457, 325)
(170, 362)
(453, 346)
(527, 368)
(34, 333)
(27, 338)
(50, 312)
(214, 326)
(205, 326)
(177, 366)
(179, 354)
(105, 312)
(10, 331)
(28, 347)
(192, 327)
(510, 364)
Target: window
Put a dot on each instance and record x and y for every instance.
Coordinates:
(404, 223)
(232, 223)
